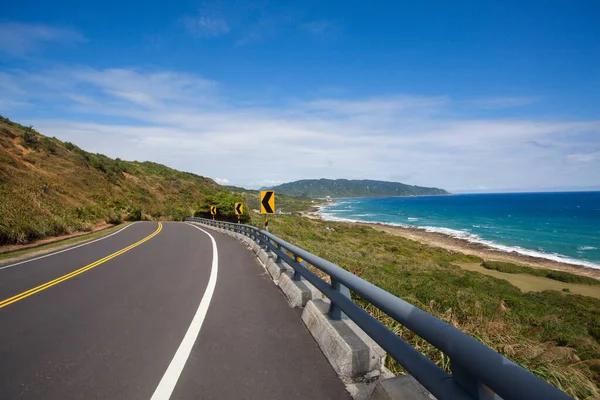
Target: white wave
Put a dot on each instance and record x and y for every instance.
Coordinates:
(474, 238)
(412, 219)
(331, 217)
(584, 248)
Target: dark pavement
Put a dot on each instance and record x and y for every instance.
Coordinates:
(112, 331)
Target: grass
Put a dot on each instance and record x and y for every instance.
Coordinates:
(532, 283)
(560, 276)
(57, 245)
(553, 334)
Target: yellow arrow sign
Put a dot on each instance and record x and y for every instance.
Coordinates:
(213, 210)
(267, 202)
(239, 209)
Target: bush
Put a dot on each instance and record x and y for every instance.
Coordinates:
(49, 145)
(114, 218)
(29, 139)
(135, 215)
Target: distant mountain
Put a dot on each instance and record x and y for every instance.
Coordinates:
(317, 188)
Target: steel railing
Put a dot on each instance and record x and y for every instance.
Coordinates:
(478, 372)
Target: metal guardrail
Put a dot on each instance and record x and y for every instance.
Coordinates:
(478, 372)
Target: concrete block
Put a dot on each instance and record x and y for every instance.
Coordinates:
(350, 351)
(259, 248)
(264, 256)
(276, 269)
(298, 293)
(400, 388)
(363, 388)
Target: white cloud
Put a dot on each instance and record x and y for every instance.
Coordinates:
(185, 122)
(222, 181)
(18, 38)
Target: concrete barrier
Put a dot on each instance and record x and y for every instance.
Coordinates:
(298, 293)
(350, 351)
(277, 268)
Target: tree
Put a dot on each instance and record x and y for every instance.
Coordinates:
(225, 203)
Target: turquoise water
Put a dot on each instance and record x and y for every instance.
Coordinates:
(558, 226)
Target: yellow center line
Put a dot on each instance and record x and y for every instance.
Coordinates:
(81, 270)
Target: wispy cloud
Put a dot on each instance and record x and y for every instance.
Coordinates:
(205, 26)
(17, 38)
(320, 27)
(584, 157)
(491, 103)
(538, 144)
(185, 121)
(248, 22)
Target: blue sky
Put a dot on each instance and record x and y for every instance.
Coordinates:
(467, 95)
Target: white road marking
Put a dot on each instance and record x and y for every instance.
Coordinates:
(67, 249)
(169, 380)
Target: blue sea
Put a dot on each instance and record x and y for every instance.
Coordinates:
(558, 226)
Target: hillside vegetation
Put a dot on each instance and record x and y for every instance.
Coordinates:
(319, 188)
(553, 334)
(49, 187)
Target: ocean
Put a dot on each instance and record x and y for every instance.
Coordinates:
(562, 227)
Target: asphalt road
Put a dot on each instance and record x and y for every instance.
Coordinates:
(151, 313)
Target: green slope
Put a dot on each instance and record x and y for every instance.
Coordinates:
(50, 188)
(318, 188)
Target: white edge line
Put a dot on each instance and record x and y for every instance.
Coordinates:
(167, 384)
(67, 249)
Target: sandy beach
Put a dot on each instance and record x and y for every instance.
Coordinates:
(463, 246)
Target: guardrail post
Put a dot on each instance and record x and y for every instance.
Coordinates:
(297, 275)
(471, 384)
(334, 311)
(278, 247)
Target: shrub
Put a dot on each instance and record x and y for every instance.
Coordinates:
(29, 139)
(135, 215)
(49, 145)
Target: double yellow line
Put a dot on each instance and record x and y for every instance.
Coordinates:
(81, 270)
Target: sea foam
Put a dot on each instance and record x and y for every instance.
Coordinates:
(473, 238)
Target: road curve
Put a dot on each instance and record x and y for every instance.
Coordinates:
(112, 331)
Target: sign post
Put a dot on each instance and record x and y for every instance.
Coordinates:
(213, 211)
(267, 205)
(239, 210)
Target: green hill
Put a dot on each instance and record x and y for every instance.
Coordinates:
(49, 188)
(318, 188)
